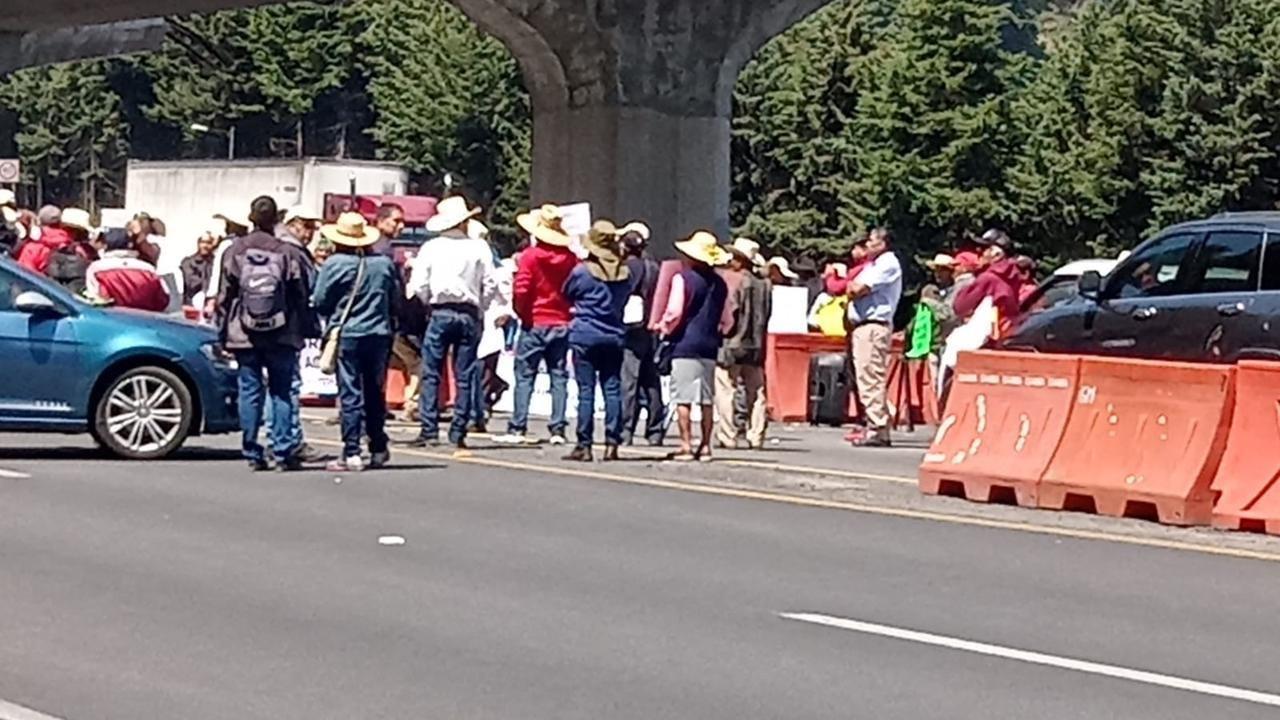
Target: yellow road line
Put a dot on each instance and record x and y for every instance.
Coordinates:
(927, 515)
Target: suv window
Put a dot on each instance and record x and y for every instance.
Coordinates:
(1228, 263)
(1155, 271)
(1271, 262)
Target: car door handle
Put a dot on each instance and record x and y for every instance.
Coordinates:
(1145, 313)
(1230, 309)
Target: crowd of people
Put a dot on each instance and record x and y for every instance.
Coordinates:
(271, 281)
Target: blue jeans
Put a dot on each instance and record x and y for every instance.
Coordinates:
(602, 362)
(538, 345)
(295, 407)
(456, 328)
(280, 365)
(478, 404)
(362, 392)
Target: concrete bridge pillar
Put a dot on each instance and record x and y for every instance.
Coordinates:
(632, 99)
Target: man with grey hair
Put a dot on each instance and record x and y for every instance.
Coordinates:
(49, 215)
(874, 296)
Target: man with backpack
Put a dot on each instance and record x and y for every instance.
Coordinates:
(263, 316)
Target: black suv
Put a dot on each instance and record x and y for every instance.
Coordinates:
(1206, 291)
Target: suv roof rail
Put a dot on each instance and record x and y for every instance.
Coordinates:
(1267, 216)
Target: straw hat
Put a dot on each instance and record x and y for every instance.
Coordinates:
(7, 197)
(941, 260)
(784, 267)
(604, 251)
(299, 212)
(350, 230)
(476, 230)
(703, 247)
(77, 218)
(546, 225)
(748, 250)
(8, 214)
(235, 224)
(452, 212)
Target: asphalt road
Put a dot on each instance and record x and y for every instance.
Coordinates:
(195, 590)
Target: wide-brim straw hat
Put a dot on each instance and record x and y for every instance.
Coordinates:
(941, 260)
(784, 267)
(546, 225)
(77, 218)
(452, 212)
(351, 231)
(747, 249)
(703, 247)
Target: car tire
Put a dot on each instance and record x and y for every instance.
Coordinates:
(144, 414)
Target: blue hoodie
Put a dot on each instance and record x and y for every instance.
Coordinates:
(597, 309)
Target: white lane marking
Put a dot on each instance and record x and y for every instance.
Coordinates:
(1085, 666)
(13, 711)
(13, 474)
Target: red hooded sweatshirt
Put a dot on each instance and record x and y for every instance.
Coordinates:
(538, 291)
(1001, 281)
(35, 255)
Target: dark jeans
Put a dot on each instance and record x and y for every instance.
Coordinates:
(456, 328)
(603, 363)
(538, 345)
(641, 382)
(362, 392)
(279, 365)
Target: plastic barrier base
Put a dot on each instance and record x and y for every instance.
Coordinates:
(1247, 485)
(1144, 440)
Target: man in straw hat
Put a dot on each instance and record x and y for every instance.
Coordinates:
(539, 302)
(693, 326)
(640, 377)
(358, 292)
(598, 290)
(453, 276)
(741, 360)
(263, 310)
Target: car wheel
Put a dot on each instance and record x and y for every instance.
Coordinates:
(145, 414)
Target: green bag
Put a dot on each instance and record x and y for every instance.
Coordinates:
(921, 333)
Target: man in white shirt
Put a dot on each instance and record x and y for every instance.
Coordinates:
(453, 275)
(874, 302)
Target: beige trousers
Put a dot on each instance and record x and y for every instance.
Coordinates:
(871, 344)
(752, 379)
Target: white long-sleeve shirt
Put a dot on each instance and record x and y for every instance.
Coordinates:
(454, 269)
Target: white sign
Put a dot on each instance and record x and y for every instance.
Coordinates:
(314, 382)
(576, 218)
(10, 171)
(790, 311)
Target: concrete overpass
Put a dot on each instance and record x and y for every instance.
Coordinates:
(631, 98)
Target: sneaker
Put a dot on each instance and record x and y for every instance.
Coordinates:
(611, 453)
(309, 454)
(259, 466)
(379, 460)
(351, 464)
(557, 439)
(512, 438)
(580, 454)
(289, 464)
(421, 442)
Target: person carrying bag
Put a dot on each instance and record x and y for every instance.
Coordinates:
(357, 345)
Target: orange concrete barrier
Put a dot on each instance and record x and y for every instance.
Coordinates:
(1247, 485)
(1003, 422)
(787, 372)
(1143, 440)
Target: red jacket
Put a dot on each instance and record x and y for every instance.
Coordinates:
(35, 255)
(538, 292)
(1002, 282)
(131, 282)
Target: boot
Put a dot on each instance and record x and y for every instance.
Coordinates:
(579, 454)
(611, 453)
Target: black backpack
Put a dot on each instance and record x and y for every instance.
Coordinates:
(263, 306)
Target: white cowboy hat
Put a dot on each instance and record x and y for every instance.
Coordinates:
(8, 198)
(703, 247)
(636, 227)
(476, 230)
(9, 215)
(747, 249)
(784, 267)
(452, 212)
(941, 260)
(300, 212)
(351, 230)
(546, 225)
(77, 218)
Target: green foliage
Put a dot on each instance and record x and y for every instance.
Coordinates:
(72, 138)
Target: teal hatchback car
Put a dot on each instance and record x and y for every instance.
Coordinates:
(139, 383)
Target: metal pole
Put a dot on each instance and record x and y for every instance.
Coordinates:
(231, 143)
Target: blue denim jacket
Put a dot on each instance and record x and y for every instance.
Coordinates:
(377, 301)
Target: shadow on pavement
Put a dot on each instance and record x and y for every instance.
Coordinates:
(98, 454)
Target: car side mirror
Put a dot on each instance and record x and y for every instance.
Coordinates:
(34, 303)
(1090, 284)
